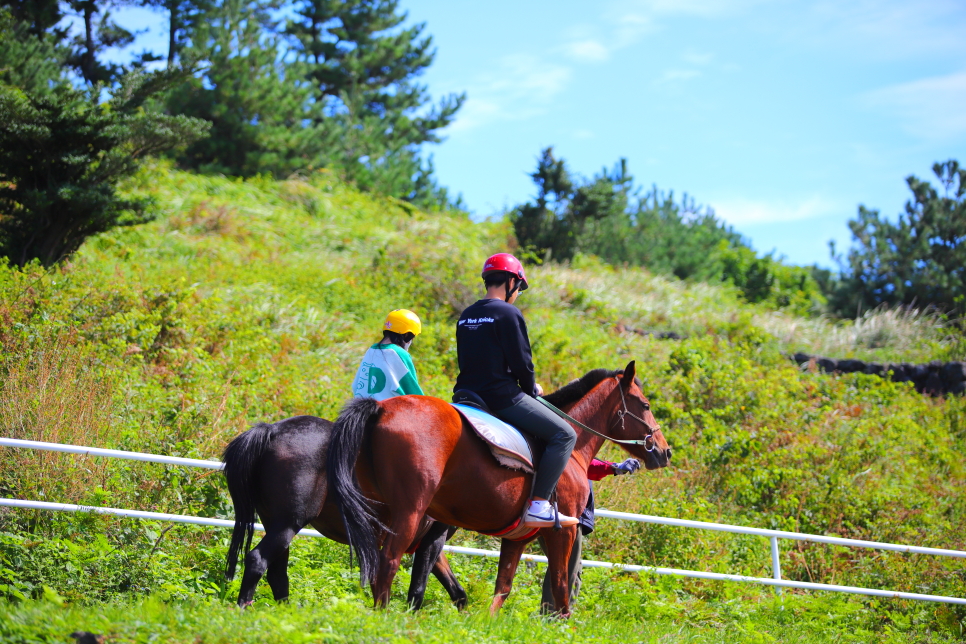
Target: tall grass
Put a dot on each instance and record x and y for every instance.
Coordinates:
(53, 394)
(899, 334)
(646, 302)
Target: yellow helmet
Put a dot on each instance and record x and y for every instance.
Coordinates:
(403, 321)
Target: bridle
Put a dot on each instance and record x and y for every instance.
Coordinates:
(624, 412)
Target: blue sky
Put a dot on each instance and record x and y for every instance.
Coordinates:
(781, 116)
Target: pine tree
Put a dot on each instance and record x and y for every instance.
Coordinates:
(544, 227)
(362, 67)
(919, 260)
(100, 32)
(259, 107)
(605, 216)
(40, 17)
(30, 57)
(182, 16)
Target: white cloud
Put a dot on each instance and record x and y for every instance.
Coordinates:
(522, 86)
(930, 108)
(583, 134)
(891, 29)
(631, 20)
(646, 10)
(672, 75)
(629, 27)
(740, 211)
(587, 51)
(699, 59)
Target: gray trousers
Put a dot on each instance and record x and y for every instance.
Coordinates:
(574, 569)
(529, 416)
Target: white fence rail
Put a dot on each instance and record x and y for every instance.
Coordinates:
(111, 453)
(773, 535)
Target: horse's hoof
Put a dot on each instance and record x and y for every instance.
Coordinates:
(244, 605)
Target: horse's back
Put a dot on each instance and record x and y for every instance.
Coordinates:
(304, 438)
(288, 471)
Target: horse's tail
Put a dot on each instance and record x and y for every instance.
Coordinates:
(240, 458)
(362, 526)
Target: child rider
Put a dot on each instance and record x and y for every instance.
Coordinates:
(386, 369)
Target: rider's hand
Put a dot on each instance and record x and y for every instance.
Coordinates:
(629, 466)
(539, 389)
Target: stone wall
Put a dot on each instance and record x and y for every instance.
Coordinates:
(935, 378)
(660, 335)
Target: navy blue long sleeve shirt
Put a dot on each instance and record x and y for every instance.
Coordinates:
(494, 353)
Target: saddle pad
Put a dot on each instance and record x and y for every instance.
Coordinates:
(507, 444)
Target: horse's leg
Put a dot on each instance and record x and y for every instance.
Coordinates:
(559, 544)
(271, 549)
(445, 575)
(277, 575)
(574, 568)
(424, 559)
(402, 532)
(510, 552)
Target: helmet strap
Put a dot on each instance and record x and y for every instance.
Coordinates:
(509, 291)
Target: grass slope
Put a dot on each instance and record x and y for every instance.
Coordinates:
(251, 301)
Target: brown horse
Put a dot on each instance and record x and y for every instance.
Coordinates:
(278, 471)
(414, 457)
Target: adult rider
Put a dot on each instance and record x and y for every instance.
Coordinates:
(496, 363)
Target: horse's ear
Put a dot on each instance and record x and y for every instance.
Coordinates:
(629, 372)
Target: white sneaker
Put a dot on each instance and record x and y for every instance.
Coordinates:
(540, 515)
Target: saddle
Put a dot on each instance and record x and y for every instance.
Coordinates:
(509, 446)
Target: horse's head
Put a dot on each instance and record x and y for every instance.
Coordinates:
(636, 422)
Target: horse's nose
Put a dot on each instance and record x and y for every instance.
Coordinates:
(667, 453)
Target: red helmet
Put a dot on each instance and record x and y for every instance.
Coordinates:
(508, 263)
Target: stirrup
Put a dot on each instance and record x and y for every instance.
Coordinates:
(552, 521)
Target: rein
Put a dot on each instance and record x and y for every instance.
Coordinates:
(621, 414)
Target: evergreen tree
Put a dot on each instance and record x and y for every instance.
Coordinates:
(260, 108)
(40, 17)
(61, 156)
(920, 259)
(545, 226)
(604, 216)
(182, 16)
(362, 67)
(29, 60)
(100, 32)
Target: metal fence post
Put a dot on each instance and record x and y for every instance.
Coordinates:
(776, 567)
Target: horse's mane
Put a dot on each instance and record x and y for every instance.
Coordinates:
(577, 389)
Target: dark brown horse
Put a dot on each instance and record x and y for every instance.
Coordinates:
(414, 456)
(278, 471)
